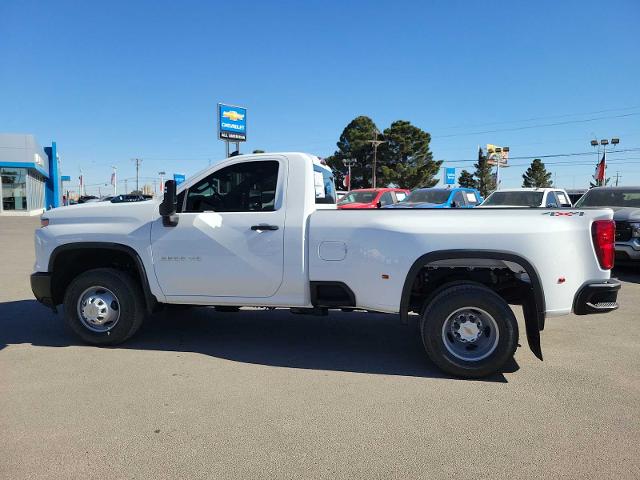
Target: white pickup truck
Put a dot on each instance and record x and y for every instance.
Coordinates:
(262, 230)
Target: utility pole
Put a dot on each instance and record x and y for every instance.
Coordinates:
(375, 142)
(114, 180)
(618, 177)
(138, 162)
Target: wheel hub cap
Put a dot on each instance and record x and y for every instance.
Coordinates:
(470, 334)
(98, 309)
(467, 329)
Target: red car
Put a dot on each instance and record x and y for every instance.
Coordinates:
(372, 198)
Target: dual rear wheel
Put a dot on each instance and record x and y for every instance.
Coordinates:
(469, 331)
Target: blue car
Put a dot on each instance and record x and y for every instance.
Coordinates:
(440, 198)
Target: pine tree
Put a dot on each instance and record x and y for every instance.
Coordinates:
(466, 180)
(354, 144)
(405, 159)
(485, 181)
(536, 176)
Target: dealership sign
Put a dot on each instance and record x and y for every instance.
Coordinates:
(449, 176)
(232, 123)
(178, 178)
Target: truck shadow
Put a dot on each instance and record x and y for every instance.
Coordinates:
(357, 342)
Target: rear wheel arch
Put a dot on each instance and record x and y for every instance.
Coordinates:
(65, 263)
(533, 305)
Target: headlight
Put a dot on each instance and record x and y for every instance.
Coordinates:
(635, 229)
(44, 222)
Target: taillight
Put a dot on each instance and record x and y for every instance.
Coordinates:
(44, 222)
(604, 234)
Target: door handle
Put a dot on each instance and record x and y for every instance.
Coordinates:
(264, 226)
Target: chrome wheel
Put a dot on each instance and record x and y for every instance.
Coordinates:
(470, 334)
(98, 309)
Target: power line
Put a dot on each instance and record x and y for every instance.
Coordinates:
(541, 125)
(564, 115)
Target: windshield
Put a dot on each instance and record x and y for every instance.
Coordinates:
(515, 199)
(610, 198)
(359, 197)
(428, 196)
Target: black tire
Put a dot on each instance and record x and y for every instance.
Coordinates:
(130, 305)
(460, 298)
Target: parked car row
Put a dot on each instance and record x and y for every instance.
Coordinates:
(453, 198)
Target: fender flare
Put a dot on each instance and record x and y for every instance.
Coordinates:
(533, 306)
(150, 299)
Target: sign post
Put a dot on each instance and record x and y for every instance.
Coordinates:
(498, 156)
(232, 125)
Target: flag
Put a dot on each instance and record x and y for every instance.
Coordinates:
(81, 181)
(600, 168)
(113, 178)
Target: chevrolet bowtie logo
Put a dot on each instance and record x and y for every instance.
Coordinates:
(233, 115)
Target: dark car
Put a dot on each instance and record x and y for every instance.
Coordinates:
(625, 202)
(131, 197)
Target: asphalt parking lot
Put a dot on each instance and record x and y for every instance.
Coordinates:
(268, 394)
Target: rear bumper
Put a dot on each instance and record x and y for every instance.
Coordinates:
(41, 288)
(597, 297)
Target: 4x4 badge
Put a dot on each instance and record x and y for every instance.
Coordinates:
(564, 214)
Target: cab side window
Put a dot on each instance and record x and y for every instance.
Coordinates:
(386, 199)
(458, 200)
(562, 199)
(472, 198)
(243, 187)
(552, 201)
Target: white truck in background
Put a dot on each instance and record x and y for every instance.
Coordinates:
(261, 230)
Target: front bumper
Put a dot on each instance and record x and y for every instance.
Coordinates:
(597, 297)
(41, 288)
(628, 251)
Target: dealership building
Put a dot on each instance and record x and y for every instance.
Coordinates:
(29, 174)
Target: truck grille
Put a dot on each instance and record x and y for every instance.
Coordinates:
(623, 231)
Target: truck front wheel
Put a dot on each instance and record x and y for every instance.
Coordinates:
(469, 331)
(104, 306)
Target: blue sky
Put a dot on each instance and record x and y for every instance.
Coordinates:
(110, 81)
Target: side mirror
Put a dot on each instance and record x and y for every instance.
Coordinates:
(551, 205)
(379, 205)
(168, 206)
(454, 204)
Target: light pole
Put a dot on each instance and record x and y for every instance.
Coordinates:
(114, 180)
(600, 182)
(375, 142)
(347, 163)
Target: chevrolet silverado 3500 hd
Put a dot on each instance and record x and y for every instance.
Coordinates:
(262, 230)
